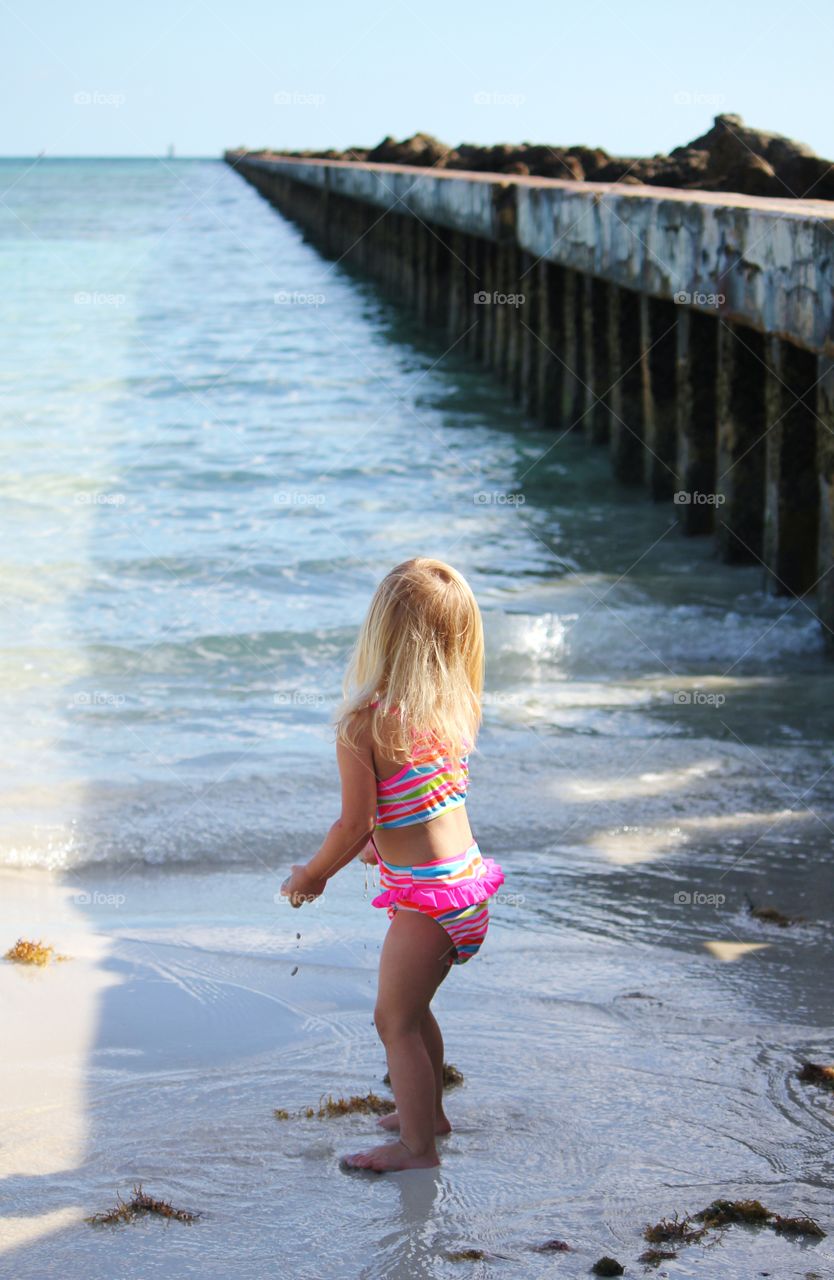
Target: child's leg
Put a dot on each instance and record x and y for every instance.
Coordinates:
(433, 1040)
(413, 962)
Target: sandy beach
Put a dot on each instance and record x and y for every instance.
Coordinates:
(640, 1071)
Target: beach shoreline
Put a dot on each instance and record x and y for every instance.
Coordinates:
(172, 1033)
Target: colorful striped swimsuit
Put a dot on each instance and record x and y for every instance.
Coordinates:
(452, 890)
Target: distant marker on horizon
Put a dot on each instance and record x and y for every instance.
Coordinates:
(171, 152)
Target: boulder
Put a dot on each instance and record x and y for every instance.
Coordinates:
(590, 158)
(748, 160)
(561, 165)
(808, 177)
(685, 168)
(752, 176)
(421, 149)
(614, 170)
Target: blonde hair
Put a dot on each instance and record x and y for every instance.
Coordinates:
(420, 652)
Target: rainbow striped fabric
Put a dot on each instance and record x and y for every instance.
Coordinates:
(466, 928)
(419, 792)
(437, 880)
(452, 890)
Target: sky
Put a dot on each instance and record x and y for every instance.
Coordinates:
(89, 77)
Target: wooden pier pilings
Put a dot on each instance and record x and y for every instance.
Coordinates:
(689, 333)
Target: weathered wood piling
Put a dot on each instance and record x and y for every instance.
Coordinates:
(690, 333)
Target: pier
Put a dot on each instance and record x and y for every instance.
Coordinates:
(690, 333)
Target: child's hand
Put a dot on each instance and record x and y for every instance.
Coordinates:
(301, 887)
(368, 855)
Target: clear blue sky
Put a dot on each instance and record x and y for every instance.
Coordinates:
(93, 77)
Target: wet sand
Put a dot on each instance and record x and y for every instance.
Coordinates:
(620, 1066)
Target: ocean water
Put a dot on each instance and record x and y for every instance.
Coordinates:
(217, 442)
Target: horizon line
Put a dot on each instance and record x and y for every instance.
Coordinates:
(45, 155)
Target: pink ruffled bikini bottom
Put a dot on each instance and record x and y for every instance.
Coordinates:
(453, 891)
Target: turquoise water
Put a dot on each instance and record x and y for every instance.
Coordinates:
(216, 444)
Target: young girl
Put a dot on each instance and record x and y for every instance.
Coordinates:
(411, 711)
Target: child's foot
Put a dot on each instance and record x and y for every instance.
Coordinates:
(391, 1122)
(391, 1157)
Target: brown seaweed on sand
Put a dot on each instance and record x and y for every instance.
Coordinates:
(725, 1213)
(721, 1213)
(467, 1255)
(817, 1073)
(667, 1230)
(769, 915)
(451, 1076)
(369, 1104)
(141, 1202)
(801, 1226)
(24, 952)
(552, 1246)
(653, 1257)
(608, 1267)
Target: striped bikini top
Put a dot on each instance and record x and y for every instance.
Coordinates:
(423, 789)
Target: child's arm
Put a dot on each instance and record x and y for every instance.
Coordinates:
(349, 833)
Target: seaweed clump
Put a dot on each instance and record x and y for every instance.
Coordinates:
(801, 1226)
(141, 1203)
(466, 1255)
(653, 1257)
(668, 1230)
(726, 1213)
(38, 953)
(553, 1246)
(817, 1073)
(608, 1267)
(451, 1076)
(369, 1104)
(722, 1213)
(769, 915)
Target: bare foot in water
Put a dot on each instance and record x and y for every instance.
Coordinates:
(391, 1122)
(391, 1157)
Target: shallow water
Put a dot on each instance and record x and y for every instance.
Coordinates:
(204, 485)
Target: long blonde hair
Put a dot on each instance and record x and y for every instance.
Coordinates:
(420, 652)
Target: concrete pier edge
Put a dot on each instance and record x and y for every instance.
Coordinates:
(691, 333)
